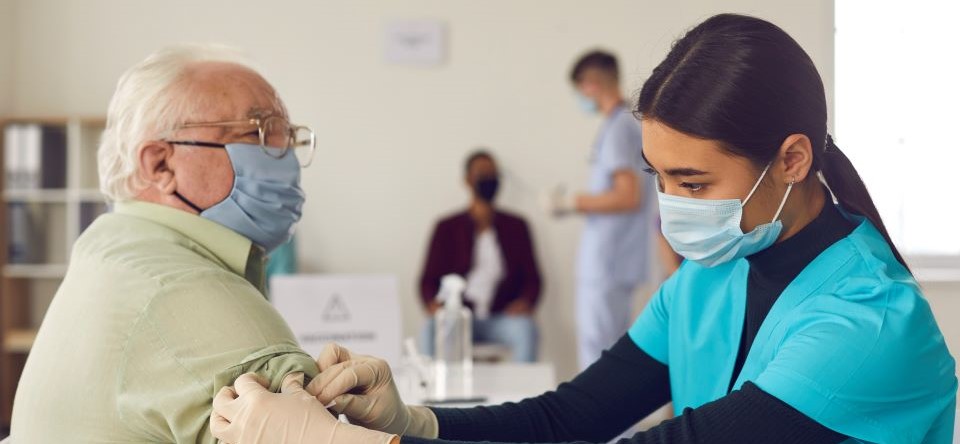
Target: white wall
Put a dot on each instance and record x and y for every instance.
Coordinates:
(944, 298)
(392, 138)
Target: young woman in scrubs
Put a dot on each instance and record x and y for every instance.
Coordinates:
(794, 318)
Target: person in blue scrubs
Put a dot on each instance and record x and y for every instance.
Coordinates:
(793, 319)
(620, 209)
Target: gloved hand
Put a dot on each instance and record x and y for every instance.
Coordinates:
(558, 202)
(363, 389)
(249, 413)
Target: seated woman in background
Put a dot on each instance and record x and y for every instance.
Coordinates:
(493, 251)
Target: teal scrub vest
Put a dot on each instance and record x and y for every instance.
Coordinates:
(850, 343)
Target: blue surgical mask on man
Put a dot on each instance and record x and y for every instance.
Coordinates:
(708, 231)
(266, 201)
(587, 104)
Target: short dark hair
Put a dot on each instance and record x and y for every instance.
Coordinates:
(481, 153)
(596, 59)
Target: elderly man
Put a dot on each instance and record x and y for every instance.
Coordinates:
(162, 305)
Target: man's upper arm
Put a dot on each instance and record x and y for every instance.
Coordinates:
(621, 156)
(622, 148)
(628, 187)
(196, 336)
(531, 274)
(432, 264)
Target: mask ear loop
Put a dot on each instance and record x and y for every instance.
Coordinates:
(187, 201)
(784, 201)
(823, 180)
(757, 185)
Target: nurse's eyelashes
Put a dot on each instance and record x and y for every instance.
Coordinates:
(692, 187)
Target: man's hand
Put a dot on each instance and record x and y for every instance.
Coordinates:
(519, 307)
(433, 306)
(249, 413)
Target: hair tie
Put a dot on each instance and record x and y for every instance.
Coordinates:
(830, 146)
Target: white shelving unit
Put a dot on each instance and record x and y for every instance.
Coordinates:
(58, 216)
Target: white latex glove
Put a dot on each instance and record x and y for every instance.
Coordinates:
(248, 413)
(363, 389)
(558, 202)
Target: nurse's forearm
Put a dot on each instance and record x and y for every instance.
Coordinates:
(624, 196)
(747, 415)
(410, 440)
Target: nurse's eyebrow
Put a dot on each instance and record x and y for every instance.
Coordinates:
(683, 171)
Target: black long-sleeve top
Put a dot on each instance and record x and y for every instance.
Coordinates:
(626, 384)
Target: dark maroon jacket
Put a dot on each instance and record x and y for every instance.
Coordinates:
(451, 251)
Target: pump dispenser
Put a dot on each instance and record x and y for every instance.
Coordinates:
(453, 342)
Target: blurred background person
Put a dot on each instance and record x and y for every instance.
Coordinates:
(493, 250)
(617, 241)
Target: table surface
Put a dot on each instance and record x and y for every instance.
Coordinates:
(497, 383)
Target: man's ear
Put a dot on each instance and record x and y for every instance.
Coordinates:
(154, 162)
(797, 155)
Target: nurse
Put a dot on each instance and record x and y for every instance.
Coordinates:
(794, 318)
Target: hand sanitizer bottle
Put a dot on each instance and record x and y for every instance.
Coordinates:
(453, 342)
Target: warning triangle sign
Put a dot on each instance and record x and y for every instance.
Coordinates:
(335, 310)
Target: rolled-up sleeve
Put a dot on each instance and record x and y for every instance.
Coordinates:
(195, 337)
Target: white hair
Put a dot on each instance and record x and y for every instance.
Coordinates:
(145, 105)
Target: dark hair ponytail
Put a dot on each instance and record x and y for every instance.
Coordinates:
(849, 189)
(746, 83)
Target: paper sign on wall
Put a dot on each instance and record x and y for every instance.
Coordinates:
(415, 42)
(359, 312)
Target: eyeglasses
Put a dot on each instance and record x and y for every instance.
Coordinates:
(276, 135)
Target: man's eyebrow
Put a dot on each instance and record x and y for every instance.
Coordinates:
(682, 171)
(260, 113)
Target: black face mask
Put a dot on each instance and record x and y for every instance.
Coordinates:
(486, 188)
